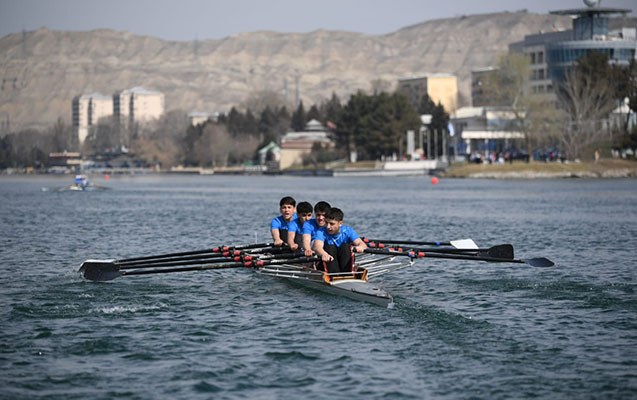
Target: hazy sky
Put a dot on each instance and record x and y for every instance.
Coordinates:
(215, 19)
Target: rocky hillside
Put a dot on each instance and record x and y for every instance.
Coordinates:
(43, 70)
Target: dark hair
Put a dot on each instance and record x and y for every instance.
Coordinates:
(304, 207)
(334, 213)
(322, 207)
(287, 200)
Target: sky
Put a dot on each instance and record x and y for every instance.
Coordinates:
(215, 19)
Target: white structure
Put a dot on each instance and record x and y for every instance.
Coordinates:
(198, 117)
(484, 129)
(137, 105)
(87, 110)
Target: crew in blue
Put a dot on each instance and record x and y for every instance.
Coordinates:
(334, 243)
(279, 225)
(295, 233)
(313, 225)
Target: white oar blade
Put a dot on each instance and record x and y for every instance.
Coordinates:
(464, 244)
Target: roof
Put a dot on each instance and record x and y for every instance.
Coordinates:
(270, 146)
(591, 11)
(431, 75)
(469, 112)
(468, 134)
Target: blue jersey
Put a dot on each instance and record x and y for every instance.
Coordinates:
(345, 235)
(310, 227)
(294, 226)
(280, 223)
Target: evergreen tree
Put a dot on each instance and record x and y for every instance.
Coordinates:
(313, 113)
(298, 118)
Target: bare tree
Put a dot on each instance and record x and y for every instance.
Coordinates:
(213, 146)
(587, 99)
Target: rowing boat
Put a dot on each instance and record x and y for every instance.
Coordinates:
(354, 286)
(282, 263)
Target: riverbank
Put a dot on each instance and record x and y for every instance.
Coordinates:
(606, 168)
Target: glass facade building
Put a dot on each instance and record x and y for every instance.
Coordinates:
(590, 33)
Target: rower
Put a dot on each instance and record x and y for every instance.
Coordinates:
(333, 243)
(279, 225)
(295, 233)
(312, 226)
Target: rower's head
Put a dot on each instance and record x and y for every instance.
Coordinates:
(320, 209)
(304, 211)
(288, 207)
(333, 220)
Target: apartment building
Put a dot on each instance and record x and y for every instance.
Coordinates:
(87, 111)
(137, 105)
(441, 88)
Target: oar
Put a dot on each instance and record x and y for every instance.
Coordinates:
(202, 258)
(459, 244)
(498, 251)
(220, 249)
(106, 270)
(541, 262)
(237, 257)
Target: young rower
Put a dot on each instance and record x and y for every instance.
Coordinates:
(312, 226)
(295, 234)
(279, 225)
(333, 243)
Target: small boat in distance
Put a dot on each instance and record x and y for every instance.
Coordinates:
(80, 184)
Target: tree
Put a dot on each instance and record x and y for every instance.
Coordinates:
(298, 118)
(507, 87)
(587, 97)
(313, 113)
(375, 125)
(258, 101)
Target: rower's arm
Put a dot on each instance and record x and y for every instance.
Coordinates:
(307, 239)
(276, 236)
(359, 245)
(291, 242)
(318, 248)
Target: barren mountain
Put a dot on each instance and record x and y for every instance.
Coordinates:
(43, 70)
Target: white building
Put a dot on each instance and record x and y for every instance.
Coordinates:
(87, 110)
(137, 105)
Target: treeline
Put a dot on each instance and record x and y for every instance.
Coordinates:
(372, 125)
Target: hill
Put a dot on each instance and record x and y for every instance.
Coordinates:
(43, 70)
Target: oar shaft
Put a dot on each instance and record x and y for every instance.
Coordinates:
(414, 254)
(220, 249)
(184, 269)
(412, 242)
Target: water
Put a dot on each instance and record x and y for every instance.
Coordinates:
(459, 329)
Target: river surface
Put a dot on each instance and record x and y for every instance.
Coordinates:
(458, 329)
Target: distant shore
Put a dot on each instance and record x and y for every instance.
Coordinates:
(605, 168)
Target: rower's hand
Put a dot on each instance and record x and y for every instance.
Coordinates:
(308, 253)
(294, 246)
(278, 242)
(327, 258)
(360, 248)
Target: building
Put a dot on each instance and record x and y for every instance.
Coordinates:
(478, 81)
(551, 54)
(485, 130)
(441, 88)
(295, 145)
(87, 111)
(137, 105)
(198, 117)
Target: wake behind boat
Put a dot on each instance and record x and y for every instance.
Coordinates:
(283, 263)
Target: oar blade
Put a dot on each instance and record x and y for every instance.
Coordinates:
(464, 244)
(540, 262)
(501, 251)
(100, 270)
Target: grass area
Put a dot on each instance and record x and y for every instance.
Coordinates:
(605, 167)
